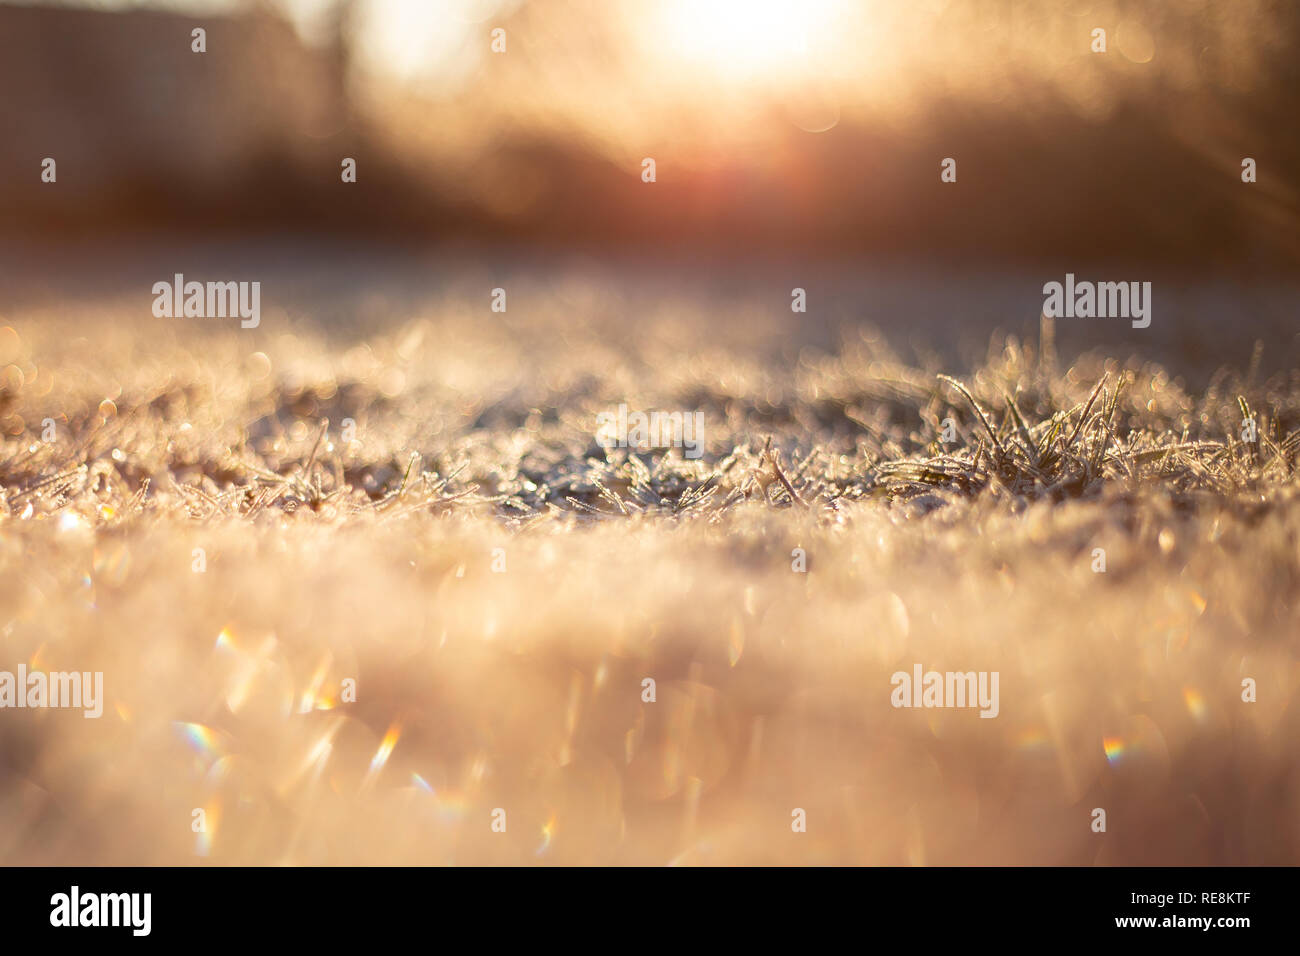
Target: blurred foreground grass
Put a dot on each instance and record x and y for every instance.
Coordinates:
(372, 560)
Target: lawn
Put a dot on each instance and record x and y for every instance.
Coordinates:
(354, 586)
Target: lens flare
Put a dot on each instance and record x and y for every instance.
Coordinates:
(206, 743)
(384, 752)
(548, 832)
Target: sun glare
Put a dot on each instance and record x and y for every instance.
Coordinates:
(744, 38)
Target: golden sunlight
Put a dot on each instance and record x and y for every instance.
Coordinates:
(747, 38)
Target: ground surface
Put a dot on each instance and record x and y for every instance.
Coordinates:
(373, 560)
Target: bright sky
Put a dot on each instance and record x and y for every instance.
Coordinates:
(732, 40)
(616, 59)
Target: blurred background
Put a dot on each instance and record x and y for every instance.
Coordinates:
(796, 145)
(817, 126)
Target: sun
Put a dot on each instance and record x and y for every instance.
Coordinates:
(746, 38)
